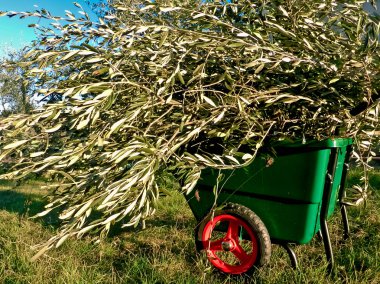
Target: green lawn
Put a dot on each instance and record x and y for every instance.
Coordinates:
(164, 252)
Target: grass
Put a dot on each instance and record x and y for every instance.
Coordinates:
(164, 252)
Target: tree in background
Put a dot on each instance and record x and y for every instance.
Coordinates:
(182, 85)
(15, 89)
(100, 8)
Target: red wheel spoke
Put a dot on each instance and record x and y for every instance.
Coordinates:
(215, 245)
(240, 253)
(224, 250)
(233, 230)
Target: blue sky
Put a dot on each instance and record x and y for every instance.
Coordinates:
(14, 32)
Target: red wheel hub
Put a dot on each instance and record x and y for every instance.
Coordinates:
(225, 250)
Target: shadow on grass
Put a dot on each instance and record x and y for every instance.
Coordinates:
(165, 222)
(21, 203)
(27, 205)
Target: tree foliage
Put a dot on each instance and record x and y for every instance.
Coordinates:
(15, 92)
(183, 85)
(101, 7)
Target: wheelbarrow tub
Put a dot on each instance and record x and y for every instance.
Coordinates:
(285, 191)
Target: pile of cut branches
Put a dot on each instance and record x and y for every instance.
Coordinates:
(155, 84)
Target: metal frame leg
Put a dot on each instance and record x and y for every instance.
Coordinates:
(342, 193)
(327, 245)
(292, 255)
(346, 227)
(325, 207)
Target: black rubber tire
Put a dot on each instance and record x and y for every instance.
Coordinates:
(257, 226)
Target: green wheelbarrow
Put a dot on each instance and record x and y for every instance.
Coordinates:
(286, 199)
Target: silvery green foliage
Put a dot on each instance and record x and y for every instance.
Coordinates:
(153, 86)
